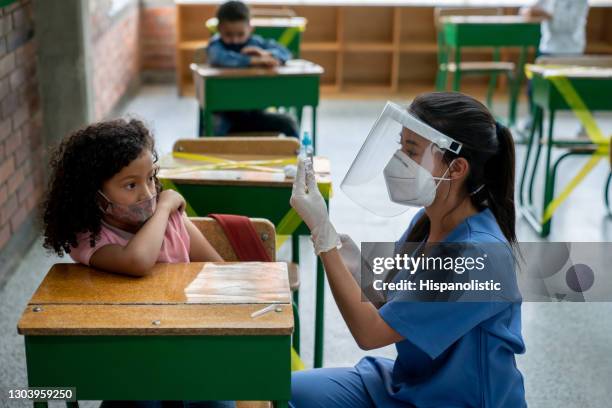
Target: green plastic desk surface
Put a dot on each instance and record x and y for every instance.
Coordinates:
(295, 84)
(491, 31)
(593, 85)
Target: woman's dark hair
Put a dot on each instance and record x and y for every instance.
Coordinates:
(79, 165)
(487, 146)
(232, 11)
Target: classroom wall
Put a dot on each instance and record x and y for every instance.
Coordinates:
(115, 41)
(21, 145)
(157, 39)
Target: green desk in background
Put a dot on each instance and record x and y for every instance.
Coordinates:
(594, 87)
(492, 31)
(294, 85)
(249, 192)
(114, 337)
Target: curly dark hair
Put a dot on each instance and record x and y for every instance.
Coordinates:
(79, 166)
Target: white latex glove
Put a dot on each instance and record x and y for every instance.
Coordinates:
(308, 202)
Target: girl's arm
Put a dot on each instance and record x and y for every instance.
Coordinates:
(362, 318)
(200, 249)
(141, 253)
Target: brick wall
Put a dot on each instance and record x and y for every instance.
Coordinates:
(21, 145)
(157, 35)
(115, 37)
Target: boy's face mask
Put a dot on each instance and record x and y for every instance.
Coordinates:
(131, 214)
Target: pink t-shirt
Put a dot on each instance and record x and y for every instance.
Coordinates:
(174, 249)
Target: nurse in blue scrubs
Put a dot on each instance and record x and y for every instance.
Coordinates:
(445, 153)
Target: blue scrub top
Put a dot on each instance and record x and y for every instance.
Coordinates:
(455, 354)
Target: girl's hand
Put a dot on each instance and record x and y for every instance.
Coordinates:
(171, 201)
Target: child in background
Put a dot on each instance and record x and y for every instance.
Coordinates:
(235, 46)
(564, 25)
(563, 33)
(105, 207)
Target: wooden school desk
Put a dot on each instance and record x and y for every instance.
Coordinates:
(492, 31)
(245, 191)
(115, 337)
(593, 86)
(294, 85)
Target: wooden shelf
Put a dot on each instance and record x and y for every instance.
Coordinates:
(192, 45)
(419, 47)
(320, 46)
(369, 48)
(599, 47)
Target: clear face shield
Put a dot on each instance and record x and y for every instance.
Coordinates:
(399, 165)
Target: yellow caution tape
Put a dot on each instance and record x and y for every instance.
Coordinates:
(582, 112)
(296, 362)
(288, 223)
(289, 34)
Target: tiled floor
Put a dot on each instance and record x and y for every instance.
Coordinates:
(569, 346)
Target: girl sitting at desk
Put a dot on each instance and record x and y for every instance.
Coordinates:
(105, 206)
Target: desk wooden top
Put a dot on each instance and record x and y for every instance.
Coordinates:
(515, 19)
(77, 300)
(191, 171)
(387, 3)
(548, 71)
(276, 21)
(291, 68)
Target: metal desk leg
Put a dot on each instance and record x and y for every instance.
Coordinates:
(548, 180)
(319, 315)
(516, 86)
(200, 122)
(529, 146)
(208, 119)
(314, 129)
(295, 258)
(540, 129)
(457, 75)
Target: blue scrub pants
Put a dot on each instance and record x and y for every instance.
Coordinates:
(329, 388)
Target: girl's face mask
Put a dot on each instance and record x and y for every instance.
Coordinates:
(131, 214)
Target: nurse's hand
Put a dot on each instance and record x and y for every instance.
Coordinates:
(308, 202)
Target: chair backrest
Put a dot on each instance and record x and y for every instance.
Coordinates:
(272, 12)
(213, 232)
(440, 12)
(287, 30)
(603, 61)
(272, 146)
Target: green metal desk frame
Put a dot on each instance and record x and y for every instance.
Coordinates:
(547, 99)
(459, 33)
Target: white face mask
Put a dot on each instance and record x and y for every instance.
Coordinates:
(408, 183)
